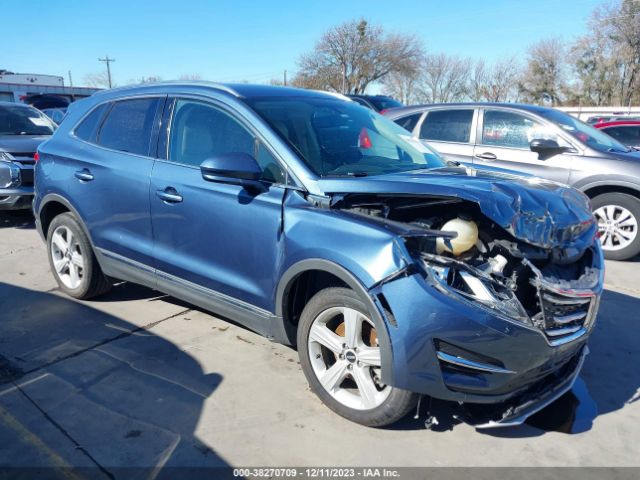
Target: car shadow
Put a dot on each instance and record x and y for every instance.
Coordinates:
(22, 219)
(85, 390)
(609, 381)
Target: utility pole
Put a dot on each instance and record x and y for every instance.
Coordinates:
(71, 86)
(108, 61)
(285, 78)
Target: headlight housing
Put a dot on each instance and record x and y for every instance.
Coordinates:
(473, 287)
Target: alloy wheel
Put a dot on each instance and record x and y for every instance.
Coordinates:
(618, 227)
(345, 357)
(68, 260)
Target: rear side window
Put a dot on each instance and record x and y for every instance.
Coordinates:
(128, 125)
(409, 122)
(88, 128)
(447, 126)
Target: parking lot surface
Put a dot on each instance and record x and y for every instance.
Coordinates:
(137, 378)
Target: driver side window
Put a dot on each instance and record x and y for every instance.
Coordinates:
(512, 130)
(200, 131)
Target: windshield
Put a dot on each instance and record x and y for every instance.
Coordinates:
(587, 134)
(21, 120)
(339, 138)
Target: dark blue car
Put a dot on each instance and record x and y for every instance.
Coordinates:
(319, 223)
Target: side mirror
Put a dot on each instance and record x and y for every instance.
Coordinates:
(546, 148)
(235, 168)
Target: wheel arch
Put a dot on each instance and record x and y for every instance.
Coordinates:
(53, 205)
(597, 187)
(326, 272)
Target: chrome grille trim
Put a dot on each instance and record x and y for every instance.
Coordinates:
(566, 300)
(463, 362)
(562, 331)
(568, 312)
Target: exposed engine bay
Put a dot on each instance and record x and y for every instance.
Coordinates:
(463, 252)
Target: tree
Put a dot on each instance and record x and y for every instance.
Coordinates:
(351, 56)
(444, 78)
(620, 24)
(97, 80)
(544, 75)
(494, 83)
(403, 86)
(141, 80)
(190, 76)
(595, 67)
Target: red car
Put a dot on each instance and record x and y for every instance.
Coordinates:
(626, 132)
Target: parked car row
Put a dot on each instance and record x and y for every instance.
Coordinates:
(598, 119)
(22, 129)
(547, 143)
(626, 132)
(55, 114)
(322, 224)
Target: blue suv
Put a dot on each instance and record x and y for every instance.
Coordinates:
(319, 223)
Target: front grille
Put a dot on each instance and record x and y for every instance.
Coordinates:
(563, 315)
(26, 177)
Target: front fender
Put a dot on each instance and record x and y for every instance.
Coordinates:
(374, 308)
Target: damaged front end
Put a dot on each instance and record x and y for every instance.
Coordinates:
(486, 313)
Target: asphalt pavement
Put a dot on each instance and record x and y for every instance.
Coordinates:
(140, 379)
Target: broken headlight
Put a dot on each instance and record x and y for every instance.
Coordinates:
(474, 286)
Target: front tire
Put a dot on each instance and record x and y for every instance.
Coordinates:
(340, 356)
(618, 216)
(72, 260)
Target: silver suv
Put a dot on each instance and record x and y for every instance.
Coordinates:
(544, 142)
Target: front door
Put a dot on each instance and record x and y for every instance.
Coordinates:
(215, 238)
(504, 143)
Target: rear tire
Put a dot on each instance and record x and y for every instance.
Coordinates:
(340, 356)
(72, 260)
(618, 216)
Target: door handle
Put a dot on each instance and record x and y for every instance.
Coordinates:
(486, 156)
(84, 175)
(169, 195)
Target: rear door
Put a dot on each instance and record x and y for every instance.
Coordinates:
(109, 174)
(450, 132)
(503, 141)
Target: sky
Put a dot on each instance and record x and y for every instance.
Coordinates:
(255, 41)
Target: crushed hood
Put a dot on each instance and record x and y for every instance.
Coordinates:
(540, 212)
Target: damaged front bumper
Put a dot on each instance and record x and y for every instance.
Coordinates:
(502, 368)
(516, 411)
